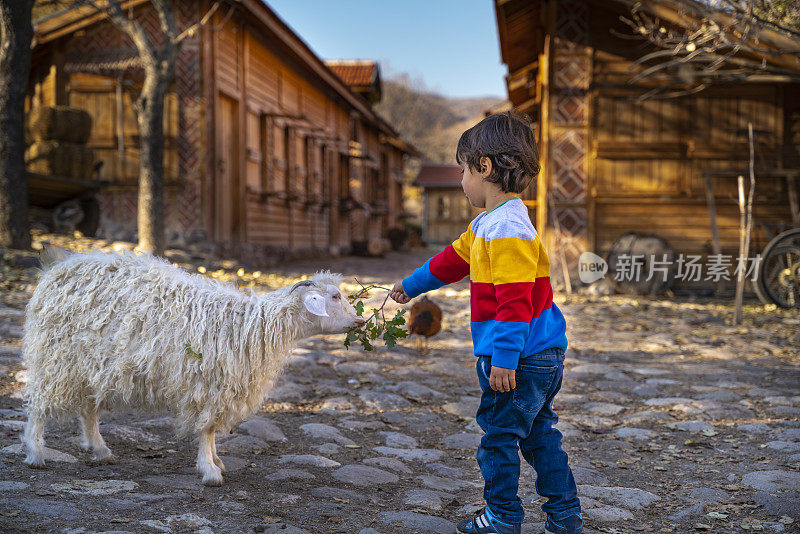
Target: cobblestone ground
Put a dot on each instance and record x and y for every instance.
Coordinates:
(674, 421)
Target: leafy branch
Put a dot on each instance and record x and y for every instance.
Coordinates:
(377, 324)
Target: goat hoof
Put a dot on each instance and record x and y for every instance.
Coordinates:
(105, 457)
(212, 481)
(34, 463)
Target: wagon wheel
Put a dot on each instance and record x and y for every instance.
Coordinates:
(633, 253)
(778, 279)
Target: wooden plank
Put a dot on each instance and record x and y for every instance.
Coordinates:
(208, 81)
(243, 60)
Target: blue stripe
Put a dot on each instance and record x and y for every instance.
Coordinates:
(421, 281)
(543, 332)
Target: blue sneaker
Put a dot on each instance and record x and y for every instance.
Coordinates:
(485, 522)
(569, 525)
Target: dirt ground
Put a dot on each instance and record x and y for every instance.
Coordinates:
(674, 421)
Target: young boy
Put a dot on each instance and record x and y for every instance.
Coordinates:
(518, 333)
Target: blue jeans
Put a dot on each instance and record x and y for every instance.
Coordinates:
(522, 419)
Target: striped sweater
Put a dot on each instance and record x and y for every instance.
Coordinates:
(512, 311)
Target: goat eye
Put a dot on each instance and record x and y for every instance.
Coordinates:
(337, 296)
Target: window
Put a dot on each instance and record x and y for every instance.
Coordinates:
(443, 208)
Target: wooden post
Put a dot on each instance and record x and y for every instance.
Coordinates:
(791, 180)
(745, 224)
(120, 124)
(712, 212)
(561, 253)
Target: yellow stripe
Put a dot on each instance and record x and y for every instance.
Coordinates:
(463, 244)
(507, 260)
(543, 267)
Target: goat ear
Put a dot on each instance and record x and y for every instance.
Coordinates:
(315, 304)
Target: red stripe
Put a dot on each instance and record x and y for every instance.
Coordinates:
(482, 301)
(448, 266)
(515, 301)
(542, 295)
(521, 301)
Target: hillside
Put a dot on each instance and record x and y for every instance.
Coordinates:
(431, 122)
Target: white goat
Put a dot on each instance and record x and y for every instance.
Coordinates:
(109, 330)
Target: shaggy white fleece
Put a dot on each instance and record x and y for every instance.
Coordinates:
(104, 330)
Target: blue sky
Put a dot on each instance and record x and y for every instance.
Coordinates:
(450, 45)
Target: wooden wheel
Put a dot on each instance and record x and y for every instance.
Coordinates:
(629, 264)
(778, 280)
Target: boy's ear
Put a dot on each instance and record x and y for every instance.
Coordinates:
(486, 166)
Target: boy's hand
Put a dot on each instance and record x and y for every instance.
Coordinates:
(501, 379)
(398, 294)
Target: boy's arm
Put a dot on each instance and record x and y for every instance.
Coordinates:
(450, 265)
(513, 262)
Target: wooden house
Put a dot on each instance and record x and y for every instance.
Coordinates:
(269, 152)
(612, 163)
(446, 212)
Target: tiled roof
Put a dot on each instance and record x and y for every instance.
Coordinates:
(431, 175)
(354, 72)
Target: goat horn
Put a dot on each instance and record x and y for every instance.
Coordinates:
(301, 283)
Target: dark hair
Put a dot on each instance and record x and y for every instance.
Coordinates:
(507, 140)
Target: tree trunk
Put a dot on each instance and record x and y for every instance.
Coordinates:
(16, 33)
(150, 116)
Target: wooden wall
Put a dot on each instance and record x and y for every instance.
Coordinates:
(299, 159)
(648, 158)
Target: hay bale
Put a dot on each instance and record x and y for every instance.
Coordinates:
(47, 157)
(81, 160)
(60, 159)
(58, 123)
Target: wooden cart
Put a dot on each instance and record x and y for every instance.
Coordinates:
(49, 191)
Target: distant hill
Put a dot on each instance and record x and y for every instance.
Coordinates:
(431, 122)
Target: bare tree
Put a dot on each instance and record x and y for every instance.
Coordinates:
(158, 63)
(700, 44)
(16, 33)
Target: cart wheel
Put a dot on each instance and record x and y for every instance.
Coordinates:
(640, 251)
(778, 279)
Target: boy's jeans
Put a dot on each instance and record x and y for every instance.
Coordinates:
(523, 419)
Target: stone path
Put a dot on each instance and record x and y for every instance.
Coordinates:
(674, 421)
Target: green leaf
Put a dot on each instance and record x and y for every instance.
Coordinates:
(188, 349)
(359, 307)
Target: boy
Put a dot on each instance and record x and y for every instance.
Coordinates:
(518, 333)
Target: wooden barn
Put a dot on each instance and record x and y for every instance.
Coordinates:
(612, 163)
(270, 153)
(446, 212)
